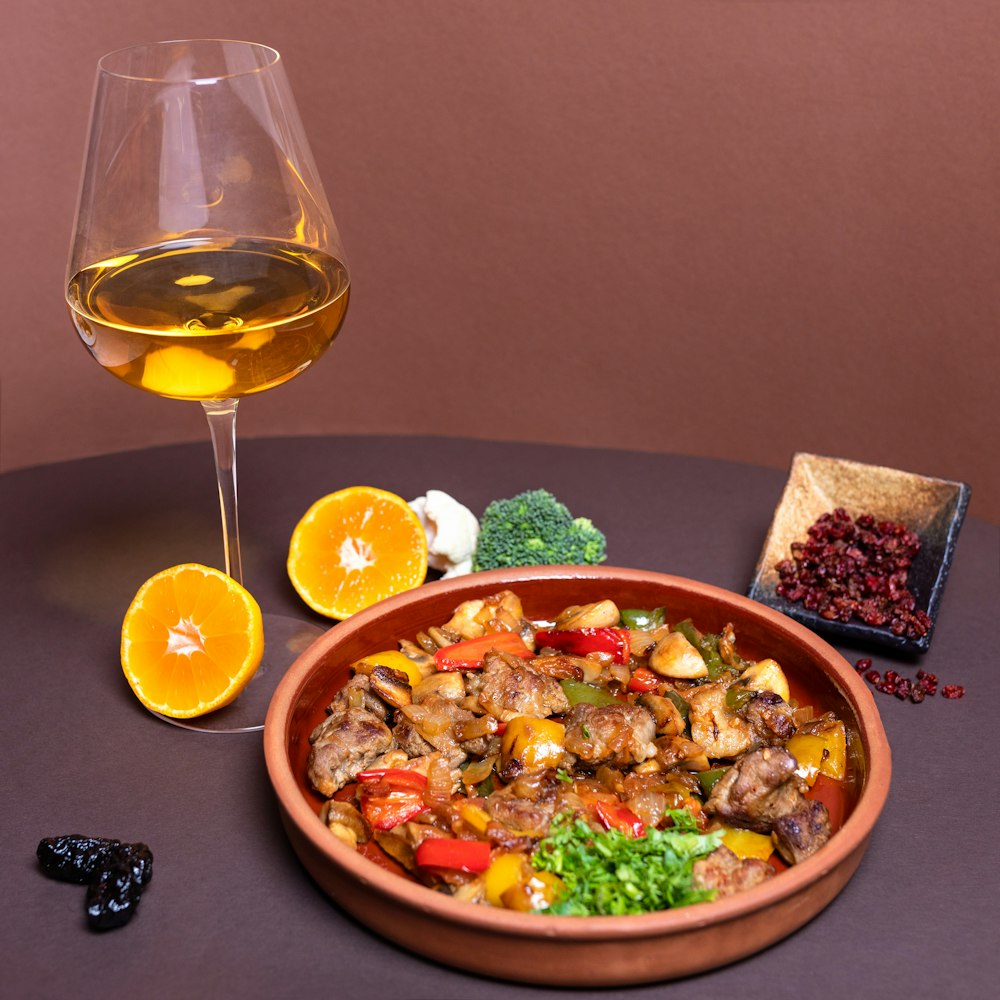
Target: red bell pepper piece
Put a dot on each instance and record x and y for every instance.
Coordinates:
(383, 812)
(833, 795)
(390, 796)
(581, 641)
(619, 818)
(468, 655)
(643, 679)
(460, 855)
(396, 777)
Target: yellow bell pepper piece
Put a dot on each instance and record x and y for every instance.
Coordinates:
(536, 743)
(504, 872)
(537, 892)
(747, 844)
(808, 750)
(476, 816)
(834, 763)
(394, 660)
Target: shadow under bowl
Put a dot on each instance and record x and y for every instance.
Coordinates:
(573, 951)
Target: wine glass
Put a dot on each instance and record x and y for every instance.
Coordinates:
(205, 263)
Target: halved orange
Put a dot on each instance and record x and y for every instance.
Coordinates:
(355, 547)
(192, 639)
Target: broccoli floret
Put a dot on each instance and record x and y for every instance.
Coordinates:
(535, 529)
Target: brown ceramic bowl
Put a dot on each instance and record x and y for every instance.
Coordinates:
(574, 951)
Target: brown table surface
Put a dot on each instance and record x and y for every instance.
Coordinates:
(230, 912)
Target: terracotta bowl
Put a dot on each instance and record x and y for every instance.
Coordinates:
(574, 951)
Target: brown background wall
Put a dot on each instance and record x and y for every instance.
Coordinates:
(726, 227)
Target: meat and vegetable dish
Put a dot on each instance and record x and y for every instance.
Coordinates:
(608, 761)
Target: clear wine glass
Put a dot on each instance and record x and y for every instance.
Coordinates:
(205, 263)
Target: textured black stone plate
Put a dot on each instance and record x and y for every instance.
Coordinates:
(933, 508)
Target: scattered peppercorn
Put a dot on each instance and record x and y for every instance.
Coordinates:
(892, 682)
(856, 568)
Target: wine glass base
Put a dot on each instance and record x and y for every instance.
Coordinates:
(284, 639)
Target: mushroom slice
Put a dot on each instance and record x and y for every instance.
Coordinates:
(391, 686)
(424, 660)
(345, 822)
(447, 684)
(666, 715)
(717, 728)
(766, 675)
(602, 614)
(674, 656)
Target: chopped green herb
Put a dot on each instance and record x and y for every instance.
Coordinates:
(585, 731)
(564, 776)
(607, 873)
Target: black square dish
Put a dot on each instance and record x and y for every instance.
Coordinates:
(933, 508)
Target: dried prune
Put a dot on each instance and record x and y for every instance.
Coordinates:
(74, 858)
(141, 859)
(113, 893)
(114, 873)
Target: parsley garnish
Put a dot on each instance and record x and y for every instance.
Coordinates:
(607, 873)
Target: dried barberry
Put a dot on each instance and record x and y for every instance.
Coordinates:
(892, 682)
(855, 569)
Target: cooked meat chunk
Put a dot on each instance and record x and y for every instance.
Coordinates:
(526, 806)
(803, 832)
(343, 746)
(727, 874)
(677, 751)
(440, 724)
(522, 817)
(510, 688)
(358, 693)
(717, 728)
(407, 738)
(771, 719)
(757, 789)
(610, 734)
(558, 666)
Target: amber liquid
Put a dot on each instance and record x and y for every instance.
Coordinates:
(209, 319)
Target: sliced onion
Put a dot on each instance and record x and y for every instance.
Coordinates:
(649, 806)
(479, 770)
(439, 781)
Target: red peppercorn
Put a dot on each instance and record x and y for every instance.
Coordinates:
(952, 691)
(862, 665)
(873, 676)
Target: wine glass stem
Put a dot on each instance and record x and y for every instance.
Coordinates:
(221, 415)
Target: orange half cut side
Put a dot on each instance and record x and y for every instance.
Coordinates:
(355, 547)
(192, 639)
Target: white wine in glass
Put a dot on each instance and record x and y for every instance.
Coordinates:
(205, 263)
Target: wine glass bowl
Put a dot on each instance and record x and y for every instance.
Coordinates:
(205, 262)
